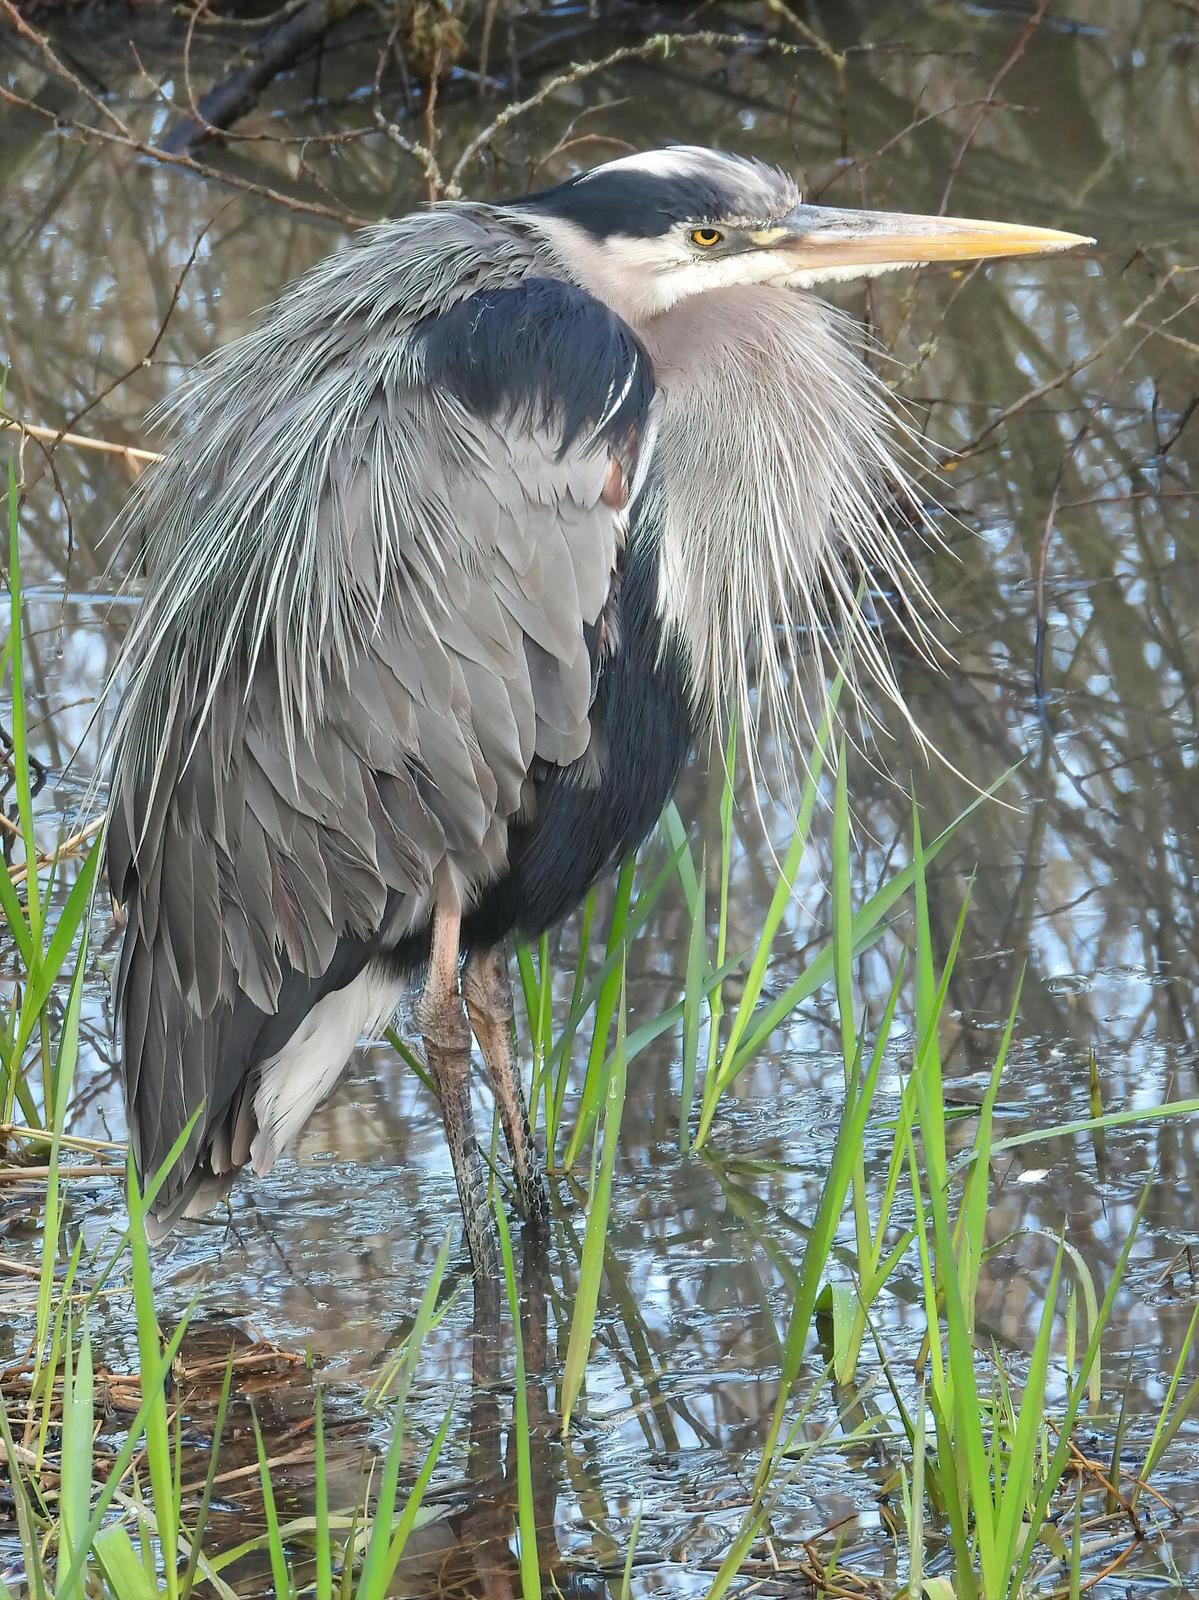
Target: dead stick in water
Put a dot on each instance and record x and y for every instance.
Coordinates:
(40, 1174)
(132, 454)
(20, 872)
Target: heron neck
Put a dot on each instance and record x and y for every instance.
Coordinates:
(776, 465)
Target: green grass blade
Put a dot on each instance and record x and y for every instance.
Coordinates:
(214, 1455)
(26, 1522)
(158, 1438)
(693, 997)
(282, 1582)
(1164, 1112)
(121, 1566)
(528, 988)
(820, 1239)
(408, 1517)
(1052, 1476)
(611, 993)
(964, 1411)
(867, 927)
(530, 1564)
(642, 909)
(591, 1266)
(715, 988)
(847, 1355)
(972, 1219)
(48, 968)
(928, 1008)
(674, 831)
(152, 1380)
(376, 1571)
(1170, 1418)
(410, 1058)
(785, 886)
(75, 1486)
(20, 743)
(14, 918)
(68, 1052)
(558, 1060)
(626, 1574)
(1017, 1490)
(324, 1548)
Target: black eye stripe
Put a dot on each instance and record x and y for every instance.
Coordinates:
(648, 205)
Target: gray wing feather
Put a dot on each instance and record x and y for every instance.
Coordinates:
(247, 840)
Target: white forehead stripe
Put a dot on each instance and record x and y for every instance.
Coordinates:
(678, 161)
(744, 189)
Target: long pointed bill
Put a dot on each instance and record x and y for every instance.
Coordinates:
(821, 239)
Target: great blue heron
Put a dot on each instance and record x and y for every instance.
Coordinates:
(452, 560)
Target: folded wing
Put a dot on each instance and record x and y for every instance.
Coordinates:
(369, 620)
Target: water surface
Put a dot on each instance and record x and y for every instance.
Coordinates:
(1075, 518)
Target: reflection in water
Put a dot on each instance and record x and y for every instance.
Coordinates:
(1074, 520)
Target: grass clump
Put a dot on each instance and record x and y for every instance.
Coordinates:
(995, 1492)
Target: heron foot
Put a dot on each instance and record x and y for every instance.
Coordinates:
(487, 992)
(441, 1015)
(449, 1067)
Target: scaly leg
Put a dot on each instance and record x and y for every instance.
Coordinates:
(489, 1004)
(446, 1033)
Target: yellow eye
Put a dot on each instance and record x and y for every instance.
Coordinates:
(706, 237)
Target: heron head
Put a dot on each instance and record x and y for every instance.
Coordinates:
(649, 230)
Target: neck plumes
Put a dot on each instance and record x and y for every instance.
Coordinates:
(777, 470)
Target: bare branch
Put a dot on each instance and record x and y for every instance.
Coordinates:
(85, 131)
(988, 100)
(60, 68)
(235, 94)
(658, 44)
(1068, 372)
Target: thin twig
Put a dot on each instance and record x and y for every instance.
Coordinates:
(85, 131)
(659, 43)
(1188, 412)
(1064, 376)
(40, 1174)
(433, 171)
(46, 49)
(73, 422)
(19, 1269)
(1017, 50)
(235, 94)
(859, 164)
(213, 19)
(1051, 514)
(132, 453)
(69, 1141)
(485, 43)
(836, 59)
(19, 873)
(1092, 1469)
(434, 184)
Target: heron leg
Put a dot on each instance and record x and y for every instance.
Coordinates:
(446, 1032)
(488, 993)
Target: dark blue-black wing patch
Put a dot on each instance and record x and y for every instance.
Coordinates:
(546, 350)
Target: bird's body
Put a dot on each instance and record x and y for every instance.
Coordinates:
(452, 562)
